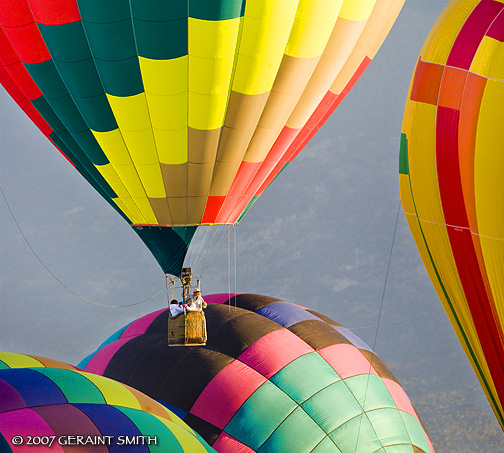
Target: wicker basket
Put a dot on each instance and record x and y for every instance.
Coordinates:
(187, 330)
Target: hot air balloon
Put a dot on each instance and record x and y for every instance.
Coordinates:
(452, 189)
(181, 113)
(55, 406)
(273, 376)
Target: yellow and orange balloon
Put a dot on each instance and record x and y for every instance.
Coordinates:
(181, 113)
(452, 178)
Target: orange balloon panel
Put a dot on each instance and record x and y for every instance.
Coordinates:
(181, 113)
(451, 177)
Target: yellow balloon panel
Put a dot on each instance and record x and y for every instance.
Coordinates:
(451, 178)
(186, 106)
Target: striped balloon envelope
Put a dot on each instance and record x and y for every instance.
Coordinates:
(273, 377)
(180, 113)
(51, 406)
(451, 178)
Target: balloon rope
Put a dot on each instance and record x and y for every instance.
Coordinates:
(235, 265)
(229, 266)
(378, 323)
(217, 241)
(169, 285)
(215, 252)
(207, 245)
(56, 278)
(198, 253)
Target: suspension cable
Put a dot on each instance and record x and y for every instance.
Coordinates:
(214, 248)
(56, 278)
(378, 322)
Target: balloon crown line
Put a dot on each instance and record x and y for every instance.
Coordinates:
(56, 278)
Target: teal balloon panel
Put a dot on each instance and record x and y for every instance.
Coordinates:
(273, 377)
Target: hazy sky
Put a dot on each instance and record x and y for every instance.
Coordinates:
(320, 236)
